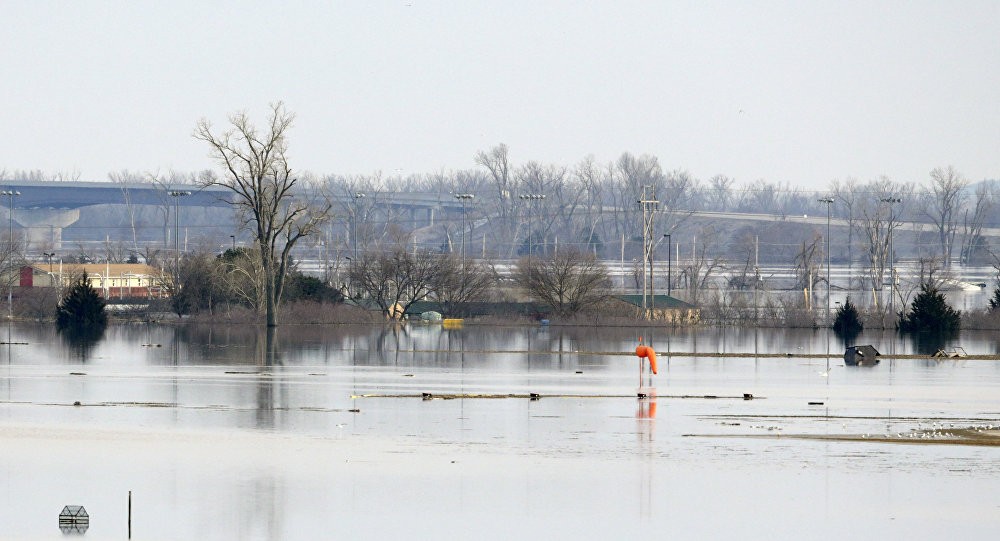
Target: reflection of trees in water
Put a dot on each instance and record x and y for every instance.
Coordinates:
(928, 343)
(267, 359)
(391, 334)
(847, 336)
(80, 342)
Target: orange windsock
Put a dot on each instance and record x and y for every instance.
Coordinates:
(647, 352)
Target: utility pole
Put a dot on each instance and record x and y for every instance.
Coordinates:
(530, 198)
(669, 258)
(463, 197)
(649, 208)
(357, 197)
(829, 203)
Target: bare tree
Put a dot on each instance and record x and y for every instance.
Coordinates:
(259, 175)
(503, 219)
(847, 195)
(589, 177)
(569, 281)
(877, 222)
(125, 180)
(973, 244)
(720, 193)
(458, 282)
(396, 278)
(807, 264)
(11, 259)
(704, 263)
(242, 277)
(944, 202)
(630, 176)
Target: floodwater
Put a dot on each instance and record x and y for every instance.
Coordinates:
(325, 433)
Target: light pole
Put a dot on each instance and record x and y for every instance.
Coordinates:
(49, 256)
(892, 268)
(10, 254)
(530, 198)
(357, 197)
(463, 197)
(829, 203)
(177, 251)
(669, 256)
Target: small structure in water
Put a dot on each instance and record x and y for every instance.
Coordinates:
(73, 519)
(861, 356)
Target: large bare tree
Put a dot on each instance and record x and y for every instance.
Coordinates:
(459, 281)
(569, 281)
(503, 219)
(396, 278)
(974, 246)
(257, 171)
(944, 202)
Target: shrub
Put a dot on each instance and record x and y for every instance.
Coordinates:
(81, 311)
(930, 312)
(847, 321)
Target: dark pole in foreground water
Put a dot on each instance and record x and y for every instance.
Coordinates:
(130, 514)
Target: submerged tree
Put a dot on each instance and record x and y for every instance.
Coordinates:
(930, 313)
(847, 323)
(394, 279)
(459, 282)
(257, 171)
(81, 312)
(569, 281)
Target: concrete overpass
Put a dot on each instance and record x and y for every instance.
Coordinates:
(43, 208)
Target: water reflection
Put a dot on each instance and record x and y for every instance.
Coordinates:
(268, 360)
(258, 435)
(80, 343)
(929, 343)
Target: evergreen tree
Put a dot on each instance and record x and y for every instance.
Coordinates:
(995, 301)
(930, 312)
(81, 311)
(847, 323)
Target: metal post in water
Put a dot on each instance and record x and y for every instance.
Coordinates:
(130, 514)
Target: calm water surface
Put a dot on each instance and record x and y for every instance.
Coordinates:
(219, 436)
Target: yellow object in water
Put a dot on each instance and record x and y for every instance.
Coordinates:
(451, 323)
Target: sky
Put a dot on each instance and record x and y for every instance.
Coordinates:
(802, 92)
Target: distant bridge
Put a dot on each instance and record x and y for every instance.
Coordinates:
(44, 208)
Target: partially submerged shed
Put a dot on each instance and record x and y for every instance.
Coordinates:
(861, 356)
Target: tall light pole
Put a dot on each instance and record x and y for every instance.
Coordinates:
(829, 203)
(177, 250)
(892, 268)
(49, 256)
(669, 256)
(10, 252)
(463, 197)
(358, 196)
(530, 198)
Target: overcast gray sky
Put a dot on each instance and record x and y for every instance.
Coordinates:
(803, 92)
